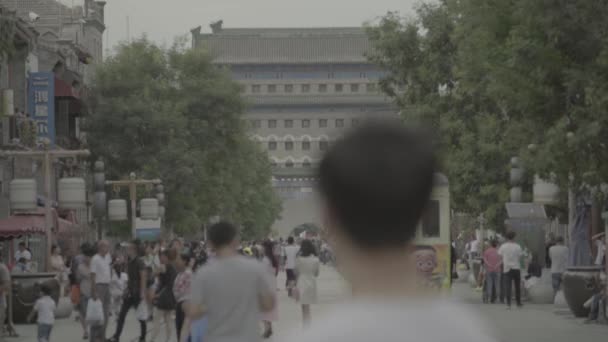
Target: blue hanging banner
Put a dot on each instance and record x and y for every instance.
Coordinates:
(41, 104)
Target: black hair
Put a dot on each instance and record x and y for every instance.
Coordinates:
(45, 289)
(510, 235)
(307, 248)
(22, 243)
(53, 248)
(425, 248)
(377, 181)
(222, 234)
(290, 240)
(559, 239)
(494, 243)
(269, 253)
(186, 257)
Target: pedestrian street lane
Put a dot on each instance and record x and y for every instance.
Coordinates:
(533, 323)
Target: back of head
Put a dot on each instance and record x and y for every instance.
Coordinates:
(559, 240)
(222, 234)
(307, 248)
(290, 240)
(510, 235)
(377, 181)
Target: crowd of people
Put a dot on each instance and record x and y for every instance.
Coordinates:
(154, 279)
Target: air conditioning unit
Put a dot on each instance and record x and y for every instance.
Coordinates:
(7, 102)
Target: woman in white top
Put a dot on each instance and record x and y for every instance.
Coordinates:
(307, 269)
(58, 266)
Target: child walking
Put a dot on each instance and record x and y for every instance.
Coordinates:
(45, 308)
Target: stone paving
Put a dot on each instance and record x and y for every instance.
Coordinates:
(533, 323)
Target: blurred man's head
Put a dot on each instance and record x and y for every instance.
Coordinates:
(510, 235)
(223, 235)
(376, 183)
(22, 246)
(290, 240)
(559, 240)
(103, 247)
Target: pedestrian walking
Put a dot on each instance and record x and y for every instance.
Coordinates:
(375, 184)
(271, 264)
(291, 253)
(181, 292)
(135, 293)
(559, 260)
(307, 270)
(231, 290)
(83, 278)
(492, 262)
(164, 301)
(58, 266)
(45, 309)
(101, 275)
(511, 253)
(118, 284)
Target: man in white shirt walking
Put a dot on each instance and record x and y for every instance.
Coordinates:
(511, 254)
(291, 253)
(101, 275)
(559, 259)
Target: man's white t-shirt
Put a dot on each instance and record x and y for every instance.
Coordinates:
(25, 255)
(45, 307)
(102, 269)
(475, 246)
(387, 320)
(291, 253)
(559, 258)
(511, 254)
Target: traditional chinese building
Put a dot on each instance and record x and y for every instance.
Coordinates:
(305, 86)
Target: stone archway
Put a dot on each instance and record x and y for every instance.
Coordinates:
(299, 207)
(306, 227)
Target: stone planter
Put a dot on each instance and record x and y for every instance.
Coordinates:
(64, 308)
(541, 291)
(26, 290)
(579, 284)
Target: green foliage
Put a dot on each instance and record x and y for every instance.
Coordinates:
(172, 114)
(7, 33)
(493, 77)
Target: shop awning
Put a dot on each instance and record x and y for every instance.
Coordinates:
(31, 223)
(63, 89)
(18, 225)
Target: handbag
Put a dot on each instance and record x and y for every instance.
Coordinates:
(142, 311)
(94, 316)
(75, 294)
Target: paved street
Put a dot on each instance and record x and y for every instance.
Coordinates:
(533, 323)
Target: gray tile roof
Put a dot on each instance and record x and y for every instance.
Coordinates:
(289, 45)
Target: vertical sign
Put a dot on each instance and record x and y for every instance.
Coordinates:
(41, 104)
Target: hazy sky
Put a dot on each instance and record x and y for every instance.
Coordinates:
(163, 20)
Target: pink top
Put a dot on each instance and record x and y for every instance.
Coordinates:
(492, 260)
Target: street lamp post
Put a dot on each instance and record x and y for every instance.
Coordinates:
(132, 184)
(47, 157)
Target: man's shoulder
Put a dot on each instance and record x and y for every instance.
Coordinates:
(365, 322)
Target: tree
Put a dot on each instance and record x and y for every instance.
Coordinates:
(172, 114)
(493, 77)
(421, 56)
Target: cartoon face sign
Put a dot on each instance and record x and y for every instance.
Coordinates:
(426, 260)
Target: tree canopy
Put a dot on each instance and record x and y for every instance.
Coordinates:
(172, 114)
(495, 77)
